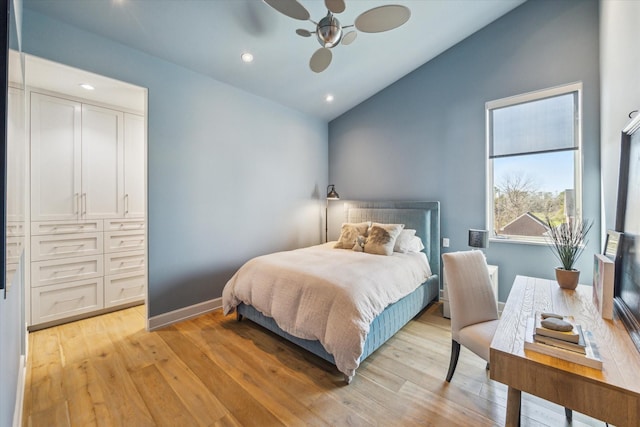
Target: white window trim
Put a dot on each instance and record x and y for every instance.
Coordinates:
(577, 159)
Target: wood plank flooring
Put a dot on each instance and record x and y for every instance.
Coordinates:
(215, 371)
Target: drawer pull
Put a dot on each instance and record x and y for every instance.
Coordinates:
(123, 263)
(69, 300)
(67, 270)
(67, 227)
(68, 246)
(128, 226)
(131, 243)
(124, 288)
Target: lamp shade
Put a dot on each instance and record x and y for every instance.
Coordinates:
(478, 238)
(332, 194)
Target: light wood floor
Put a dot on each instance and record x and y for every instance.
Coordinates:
(214, 371)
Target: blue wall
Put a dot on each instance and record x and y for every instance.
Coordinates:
(424, 136)
(230, 175)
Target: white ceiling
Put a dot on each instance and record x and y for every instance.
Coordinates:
(208, 36)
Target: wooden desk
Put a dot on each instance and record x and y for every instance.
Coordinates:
(611, 395)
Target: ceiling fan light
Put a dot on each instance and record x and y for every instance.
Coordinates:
(329, 31)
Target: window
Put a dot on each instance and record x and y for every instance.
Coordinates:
(533, 164)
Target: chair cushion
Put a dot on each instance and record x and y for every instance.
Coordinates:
(478, 337)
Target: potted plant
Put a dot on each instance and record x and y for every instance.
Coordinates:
(568, 240)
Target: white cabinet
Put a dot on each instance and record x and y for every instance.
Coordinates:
(65, 245)
(56, 137)
(55, 302)
(493, 275)
(77, 160)
(69, 269)
(124, 288)
(78, 268)
(125, 261)
(102, 163)
(134, 176)
(88, 199)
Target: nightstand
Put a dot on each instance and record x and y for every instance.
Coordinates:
(493, 275)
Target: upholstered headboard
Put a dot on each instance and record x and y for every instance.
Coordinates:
(424, 217)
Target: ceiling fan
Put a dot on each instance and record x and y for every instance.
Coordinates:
(329, 31)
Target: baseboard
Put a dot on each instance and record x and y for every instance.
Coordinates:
(166, 319)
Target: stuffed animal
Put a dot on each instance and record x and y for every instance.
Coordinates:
(359, 246)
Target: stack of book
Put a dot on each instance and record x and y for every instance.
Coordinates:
(575, 346)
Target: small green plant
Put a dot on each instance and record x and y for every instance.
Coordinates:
(568, 240)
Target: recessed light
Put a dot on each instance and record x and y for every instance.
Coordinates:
(328, 98)
(247, 57)
(87, 86)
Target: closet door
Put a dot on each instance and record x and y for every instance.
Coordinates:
(134, 166)
(55, 158)
(102, 163)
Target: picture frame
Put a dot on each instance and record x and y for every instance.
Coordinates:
(603, 288)
(612, 244)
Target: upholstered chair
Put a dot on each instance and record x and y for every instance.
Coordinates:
(474, 312)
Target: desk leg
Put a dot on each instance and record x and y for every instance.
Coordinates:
(513, 407)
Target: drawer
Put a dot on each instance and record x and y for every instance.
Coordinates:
(124, 224)
(65, 227)
(65, 245)
(124, 288)
(50, 272)
(15, 228)
(124, 262)
(65, 300)
(118, 241)
(14, 249)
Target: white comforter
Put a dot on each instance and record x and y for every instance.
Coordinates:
(326, 294)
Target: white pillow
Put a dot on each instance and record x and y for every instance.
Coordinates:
(382, 238)
(407, 241)
(404, 240)
(349, 234)
(416, 244)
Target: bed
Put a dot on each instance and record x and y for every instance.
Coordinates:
(424, 217)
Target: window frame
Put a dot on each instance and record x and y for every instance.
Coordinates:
(570, 88)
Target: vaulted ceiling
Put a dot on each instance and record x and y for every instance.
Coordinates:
(209, 37)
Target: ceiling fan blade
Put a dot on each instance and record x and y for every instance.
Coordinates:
(383, 18)
(335, 6)
(349, 37)
(302, 32)
(291, 8)
(320, 60)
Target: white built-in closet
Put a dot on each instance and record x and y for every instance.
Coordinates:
(87, 208)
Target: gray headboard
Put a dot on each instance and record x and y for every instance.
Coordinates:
(424, 217)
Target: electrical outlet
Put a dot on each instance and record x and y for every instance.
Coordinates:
(445, 242)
